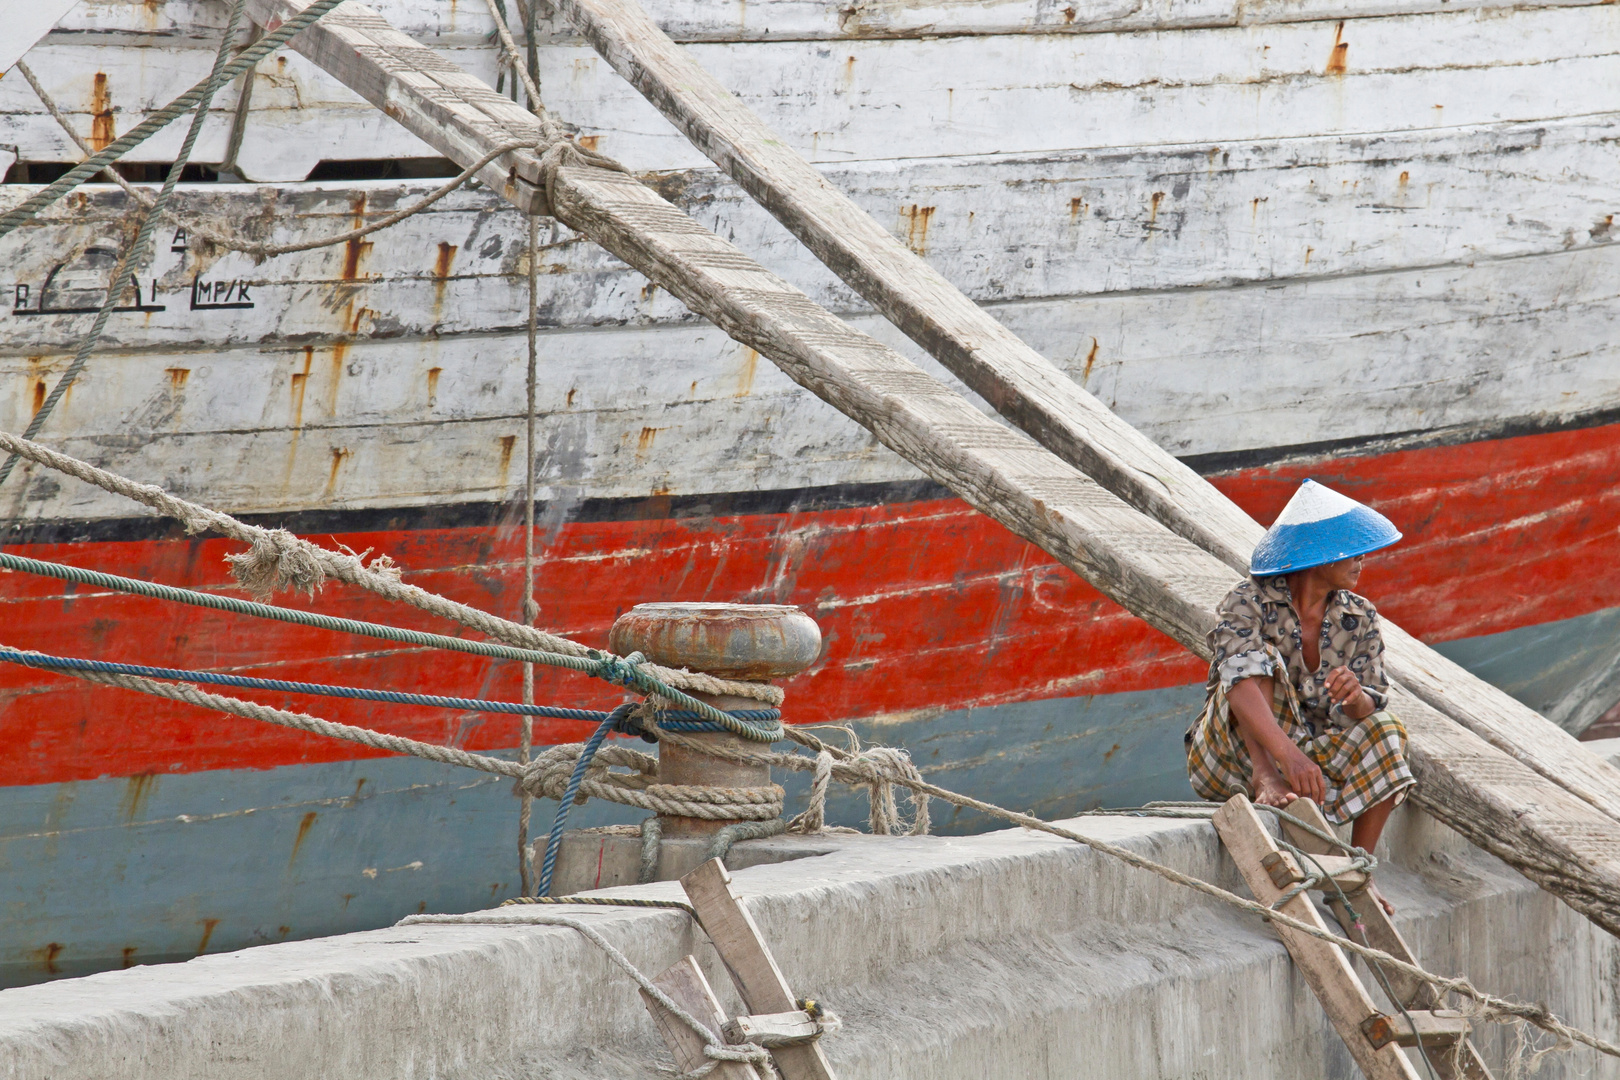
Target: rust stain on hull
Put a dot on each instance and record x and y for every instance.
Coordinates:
(137, 793)
(300, 380)
(915, 220)
(508, 443)
(340, 454)
(208, 932)
(356, 249)
(101, 113)
(303, 832)
(441, 275)
(1339, 58)
(745, 376)
(46, 957)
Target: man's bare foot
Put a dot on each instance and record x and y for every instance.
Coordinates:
(1272, 791)
(1372, 890)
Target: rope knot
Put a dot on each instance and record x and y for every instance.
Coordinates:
(278, 560)
(620, 670)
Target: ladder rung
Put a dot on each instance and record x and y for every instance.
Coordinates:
(1442, 1027)
(1285, 871)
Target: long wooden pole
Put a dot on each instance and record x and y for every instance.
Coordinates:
(1018, 382)
(1562, 843)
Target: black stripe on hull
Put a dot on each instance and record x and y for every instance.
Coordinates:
(453, 515)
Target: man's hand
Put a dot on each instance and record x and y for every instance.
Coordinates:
(1304, 776)
(1346, 691)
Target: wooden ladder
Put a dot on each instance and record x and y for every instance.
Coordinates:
(778, 1021)
(1374, 1038)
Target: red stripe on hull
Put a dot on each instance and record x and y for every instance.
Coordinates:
(923, 606)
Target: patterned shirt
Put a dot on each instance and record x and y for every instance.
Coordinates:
(1260, 612)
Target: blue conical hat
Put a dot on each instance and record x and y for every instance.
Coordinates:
(1320, 526)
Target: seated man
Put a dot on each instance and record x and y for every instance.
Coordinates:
(1296, 693)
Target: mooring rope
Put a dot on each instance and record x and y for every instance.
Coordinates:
(531, 610)
(47, 662)
(860, 769)
(310, 564)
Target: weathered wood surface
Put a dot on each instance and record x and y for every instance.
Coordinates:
(1378, 930)
(1018, 94)
(447, 23)
(747, 956)
(686, 985)
(1571, 848)
(1326, 969)
(1011, 231)
(396, 318)
(1017, 381)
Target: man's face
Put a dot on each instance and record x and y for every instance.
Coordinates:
(1345, 573)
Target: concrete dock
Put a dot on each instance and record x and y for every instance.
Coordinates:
(1008, 954)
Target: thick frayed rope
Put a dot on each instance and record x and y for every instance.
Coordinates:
(252, 710)
(878, 769)
(547, 777)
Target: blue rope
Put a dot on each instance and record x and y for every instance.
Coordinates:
(765, 721)
(618, 716)
(73, 663)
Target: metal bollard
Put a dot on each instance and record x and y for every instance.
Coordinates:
(751, 642)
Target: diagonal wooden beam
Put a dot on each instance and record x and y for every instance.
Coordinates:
(1558, 841)
(1021, 384)
(26, 25)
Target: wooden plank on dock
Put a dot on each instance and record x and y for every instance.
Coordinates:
(1559, 841)
(1017, 381)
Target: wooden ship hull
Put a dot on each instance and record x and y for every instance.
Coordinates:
(1288, 240)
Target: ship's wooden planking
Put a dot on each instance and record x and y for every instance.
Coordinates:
(1010, 93)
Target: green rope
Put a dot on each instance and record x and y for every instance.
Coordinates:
(622, 671)
(163, 117)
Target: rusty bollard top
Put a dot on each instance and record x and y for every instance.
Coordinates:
(731, 641)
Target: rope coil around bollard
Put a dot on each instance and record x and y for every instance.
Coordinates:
(550, 775)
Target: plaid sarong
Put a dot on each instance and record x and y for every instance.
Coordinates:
(1361, 765)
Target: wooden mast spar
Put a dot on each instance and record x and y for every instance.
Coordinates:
(1561, 838)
